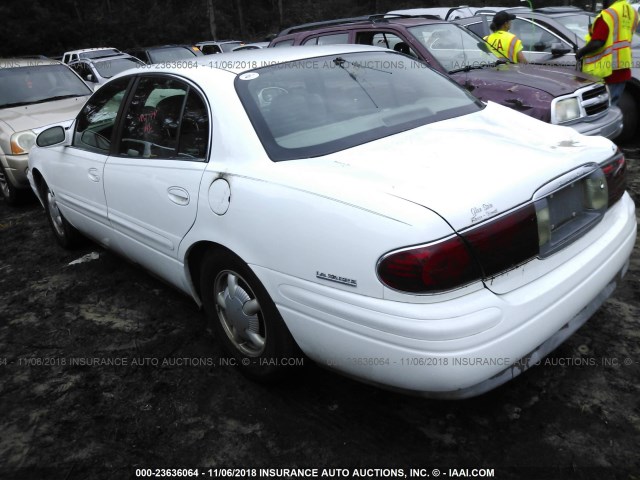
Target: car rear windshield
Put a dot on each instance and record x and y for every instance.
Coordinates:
(322, 105)
(110, 67)
(38, 83)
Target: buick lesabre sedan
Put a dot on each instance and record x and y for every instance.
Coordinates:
(350, 203)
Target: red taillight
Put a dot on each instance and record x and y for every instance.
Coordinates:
(441, 266)
(486, 250)
(506, 242)
(615, 170)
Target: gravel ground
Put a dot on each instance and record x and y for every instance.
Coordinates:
(105, 370)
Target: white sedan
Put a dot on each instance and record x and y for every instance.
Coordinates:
(350, 203)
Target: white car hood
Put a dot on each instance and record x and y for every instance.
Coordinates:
(466, 169)
(28, 117)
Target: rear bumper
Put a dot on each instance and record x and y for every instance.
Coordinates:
(609, 125)
(460, 347)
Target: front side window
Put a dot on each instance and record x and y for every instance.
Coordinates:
(210, 49)
(83, 70)
(165, 119)
(96, 121)
(454, 47)
(385, 40)
(322, 105)
(534, 38)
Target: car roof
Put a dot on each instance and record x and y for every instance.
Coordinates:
(158, 47)
(377, 20)
(106, 58)
(217, 42)
(85, 50)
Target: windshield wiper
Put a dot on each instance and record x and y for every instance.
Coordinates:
(339, 61)
(60, 97)
(42, 100)
(16, 104)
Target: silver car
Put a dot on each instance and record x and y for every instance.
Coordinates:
(34, 92)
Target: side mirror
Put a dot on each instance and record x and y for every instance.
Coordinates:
(560, 49)
(51, 136)
(90, 78)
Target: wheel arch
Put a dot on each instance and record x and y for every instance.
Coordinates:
(39, 182)
(194, 262)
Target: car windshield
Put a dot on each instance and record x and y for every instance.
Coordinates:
(580, 23)
(38, 83)
(110, 67)
(322, 105)
(162, 55)
(454, 47)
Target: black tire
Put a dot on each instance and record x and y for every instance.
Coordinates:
(629, 106)
(11, 194)
(66, 234)
(245, 320)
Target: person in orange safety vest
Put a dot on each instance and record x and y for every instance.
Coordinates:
(502, 40)
(607, 53)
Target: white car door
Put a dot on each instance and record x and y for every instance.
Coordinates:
(75, 172)
(152, 182)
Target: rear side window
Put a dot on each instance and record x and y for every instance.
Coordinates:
(337, 38)
(284, 43)
(165, 119)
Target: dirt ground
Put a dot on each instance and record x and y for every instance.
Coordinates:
(105, 370)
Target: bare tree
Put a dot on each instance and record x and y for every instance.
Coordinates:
(243, 28)
(212, 20)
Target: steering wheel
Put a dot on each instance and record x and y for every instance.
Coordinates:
(267, 94)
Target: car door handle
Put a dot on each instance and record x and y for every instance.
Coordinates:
(94, 175)
(178, 195)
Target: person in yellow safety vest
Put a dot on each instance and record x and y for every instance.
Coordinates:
(502, 40)
(607, 53)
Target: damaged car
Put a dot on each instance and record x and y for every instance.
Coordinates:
(346, 203)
